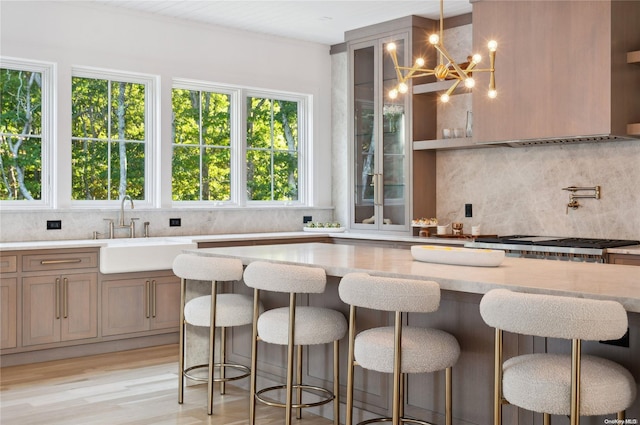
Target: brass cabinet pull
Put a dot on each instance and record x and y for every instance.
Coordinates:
(72, 260)
(154, 287)
(146, 301)
(57, 298)
(65, 298)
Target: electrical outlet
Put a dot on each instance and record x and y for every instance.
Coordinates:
(306, 219)
(54, 224)
(175, 222)
(468, 210)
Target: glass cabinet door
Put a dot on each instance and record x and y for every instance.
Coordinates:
(380, 171)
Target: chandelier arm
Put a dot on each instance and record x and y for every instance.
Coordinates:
(452, 88)
(394, 58)
(441, 29)
(492, 64)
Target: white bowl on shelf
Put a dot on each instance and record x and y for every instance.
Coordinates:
(457, 256)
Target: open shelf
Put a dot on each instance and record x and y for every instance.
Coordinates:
(633, 57)
(458, 143)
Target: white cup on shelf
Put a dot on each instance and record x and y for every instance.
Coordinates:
(446, 133)
(475, 230)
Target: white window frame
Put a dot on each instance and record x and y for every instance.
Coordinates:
(48, 70)
(238, 98)
(152, 132)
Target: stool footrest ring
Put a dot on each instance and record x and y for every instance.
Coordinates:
(244, 369)
(329, 396)
(402, 420)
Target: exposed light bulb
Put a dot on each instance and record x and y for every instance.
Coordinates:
(420, 62)
(469, 82)
(391, 47)
(444, 98)
(434, 39)
(493, 45)
(493, 94)
(393, 94)
(477, 58)
(403, 88)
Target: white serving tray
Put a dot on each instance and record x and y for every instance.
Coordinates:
(324, 229)
(457, 256)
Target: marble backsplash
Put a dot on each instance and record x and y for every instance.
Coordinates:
(17, 226)
(519, 190)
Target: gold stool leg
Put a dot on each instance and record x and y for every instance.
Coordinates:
(350, 365)
(336, 382)
(497, 379)
(290, 347)
(182, 344)
(299, 382)
(212, 340)
(254, 357)
(403, 377)
(621, 416)
(575, 381)
(448, 397)
(223, 358)
(546, 419)
(397, 368)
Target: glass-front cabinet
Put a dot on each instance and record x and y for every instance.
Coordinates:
(381, 144)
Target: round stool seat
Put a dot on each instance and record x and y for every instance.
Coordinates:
(231, 310)
(314, 325)
(424, 350)
(542, 383)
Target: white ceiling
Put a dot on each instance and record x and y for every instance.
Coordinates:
(317, 21)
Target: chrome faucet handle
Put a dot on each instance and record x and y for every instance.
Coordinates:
(146, 229)
(132, 225)
(110, 227)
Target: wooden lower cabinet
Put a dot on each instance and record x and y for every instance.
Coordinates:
(624, 259)
(59, 308)
(139, 304)
(8, 313)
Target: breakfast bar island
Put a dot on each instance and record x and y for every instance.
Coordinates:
(462, 289)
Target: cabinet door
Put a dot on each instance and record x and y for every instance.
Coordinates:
(380, 138)
(165, 302)
(8, 319)
(125, 306)
(79, 306)
(41, 310)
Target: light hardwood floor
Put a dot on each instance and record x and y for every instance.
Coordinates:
(132, 387)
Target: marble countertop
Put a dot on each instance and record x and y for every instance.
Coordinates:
(578, 279)
(91, 243)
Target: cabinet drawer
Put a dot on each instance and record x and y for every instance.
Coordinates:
(59, 261)
(8, 264)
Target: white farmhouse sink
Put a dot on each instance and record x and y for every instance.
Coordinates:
(141, 254)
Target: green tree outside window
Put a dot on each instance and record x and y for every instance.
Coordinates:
(21, 135)
(108, 139)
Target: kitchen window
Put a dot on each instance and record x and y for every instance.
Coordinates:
(111, 135)
(26, 131)
(235, 146)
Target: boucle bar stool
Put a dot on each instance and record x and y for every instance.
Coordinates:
(555, 384)
(293, 326)
(213, 311)
(396, 349)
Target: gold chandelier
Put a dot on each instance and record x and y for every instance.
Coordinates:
(449, 71)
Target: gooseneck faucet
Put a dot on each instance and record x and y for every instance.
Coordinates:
(124, 198)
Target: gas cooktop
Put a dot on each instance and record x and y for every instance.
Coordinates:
(557, 241)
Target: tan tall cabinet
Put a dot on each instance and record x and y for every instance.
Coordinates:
(382, 161)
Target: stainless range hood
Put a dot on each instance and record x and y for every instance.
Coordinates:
(567, 72)
(561, 141)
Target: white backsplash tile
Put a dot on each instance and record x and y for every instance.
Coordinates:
(519, 190)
